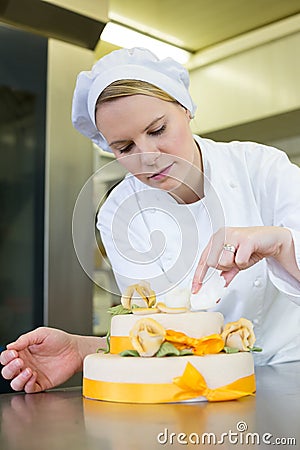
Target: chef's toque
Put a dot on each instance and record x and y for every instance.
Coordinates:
(135, 64)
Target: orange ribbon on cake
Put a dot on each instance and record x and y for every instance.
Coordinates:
(189, 385)
(119, 344)
(207, 345)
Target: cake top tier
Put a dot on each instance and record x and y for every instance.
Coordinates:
(194, 324)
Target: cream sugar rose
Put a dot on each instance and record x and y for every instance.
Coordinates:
(164, 354)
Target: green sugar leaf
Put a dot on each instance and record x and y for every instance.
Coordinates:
(231, 350)
(118, 309)
(186, 351)
(255, 349)
(100, 349)
(107, 349)
(167, 349)
(129, 353)
(107, 342)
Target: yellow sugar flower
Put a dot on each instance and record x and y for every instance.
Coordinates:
(239, 335)
(140, 294)
(146, 336)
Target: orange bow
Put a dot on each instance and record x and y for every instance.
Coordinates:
(192, 384)
(207, 345)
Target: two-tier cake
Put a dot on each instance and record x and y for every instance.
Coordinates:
(160, 354)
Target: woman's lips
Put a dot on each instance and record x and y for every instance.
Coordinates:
(162, 174)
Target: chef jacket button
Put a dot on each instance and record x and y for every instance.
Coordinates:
(255, 321)
(232, 184)
(257, 283)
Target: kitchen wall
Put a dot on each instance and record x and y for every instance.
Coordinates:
(291, 145)
(248, 88)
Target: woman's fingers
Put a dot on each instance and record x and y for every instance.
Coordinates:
(234, 249)
(229, 275)
(12, 369)
(226, 258)
(27, 339)
(22, 378)
(214, 256)
(200, 271)
(230, 258)
(32, 386)
(19, 382)
(7, 356)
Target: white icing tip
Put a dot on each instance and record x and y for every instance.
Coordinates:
(212, 290)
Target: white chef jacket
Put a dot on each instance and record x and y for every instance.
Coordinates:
(149, 236)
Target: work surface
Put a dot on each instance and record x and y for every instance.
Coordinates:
(62, 419)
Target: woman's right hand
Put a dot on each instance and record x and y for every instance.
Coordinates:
(41, 359)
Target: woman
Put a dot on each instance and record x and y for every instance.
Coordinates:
(187, 205)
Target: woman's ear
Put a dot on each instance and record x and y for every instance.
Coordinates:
(188, 113)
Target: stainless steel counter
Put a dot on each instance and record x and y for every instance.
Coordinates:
(62, 419)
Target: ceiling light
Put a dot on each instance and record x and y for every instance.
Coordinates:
(125, 37)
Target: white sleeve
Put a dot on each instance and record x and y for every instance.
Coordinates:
(279, 186)
(281, 278)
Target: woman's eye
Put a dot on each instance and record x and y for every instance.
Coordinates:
(125, 149)
(158, 131)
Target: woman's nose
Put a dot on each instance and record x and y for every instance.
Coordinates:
(148, 153)
(149, 158)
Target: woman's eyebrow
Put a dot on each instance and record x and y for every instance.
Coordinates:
(153, 122)
(121, 141)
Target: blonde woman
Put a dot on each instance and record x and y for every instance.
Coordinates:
(187, 206)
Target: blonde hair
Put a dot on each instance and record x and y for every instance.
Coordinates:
(124, 88)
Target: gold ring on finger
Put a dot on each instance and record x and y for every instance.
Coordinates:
(229, 248)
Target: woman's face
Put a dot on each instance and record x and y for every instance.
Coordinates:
(151, 138)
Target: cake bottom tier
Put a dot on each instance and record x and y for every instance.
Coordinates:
(170, 379)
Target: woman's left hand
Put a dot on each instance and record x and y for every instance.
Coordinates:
(233, 249)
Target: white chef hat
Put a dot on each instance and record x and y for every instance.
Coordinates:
(135, 64)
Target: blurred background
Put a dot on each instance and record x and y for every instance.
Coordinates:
(244, 63)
